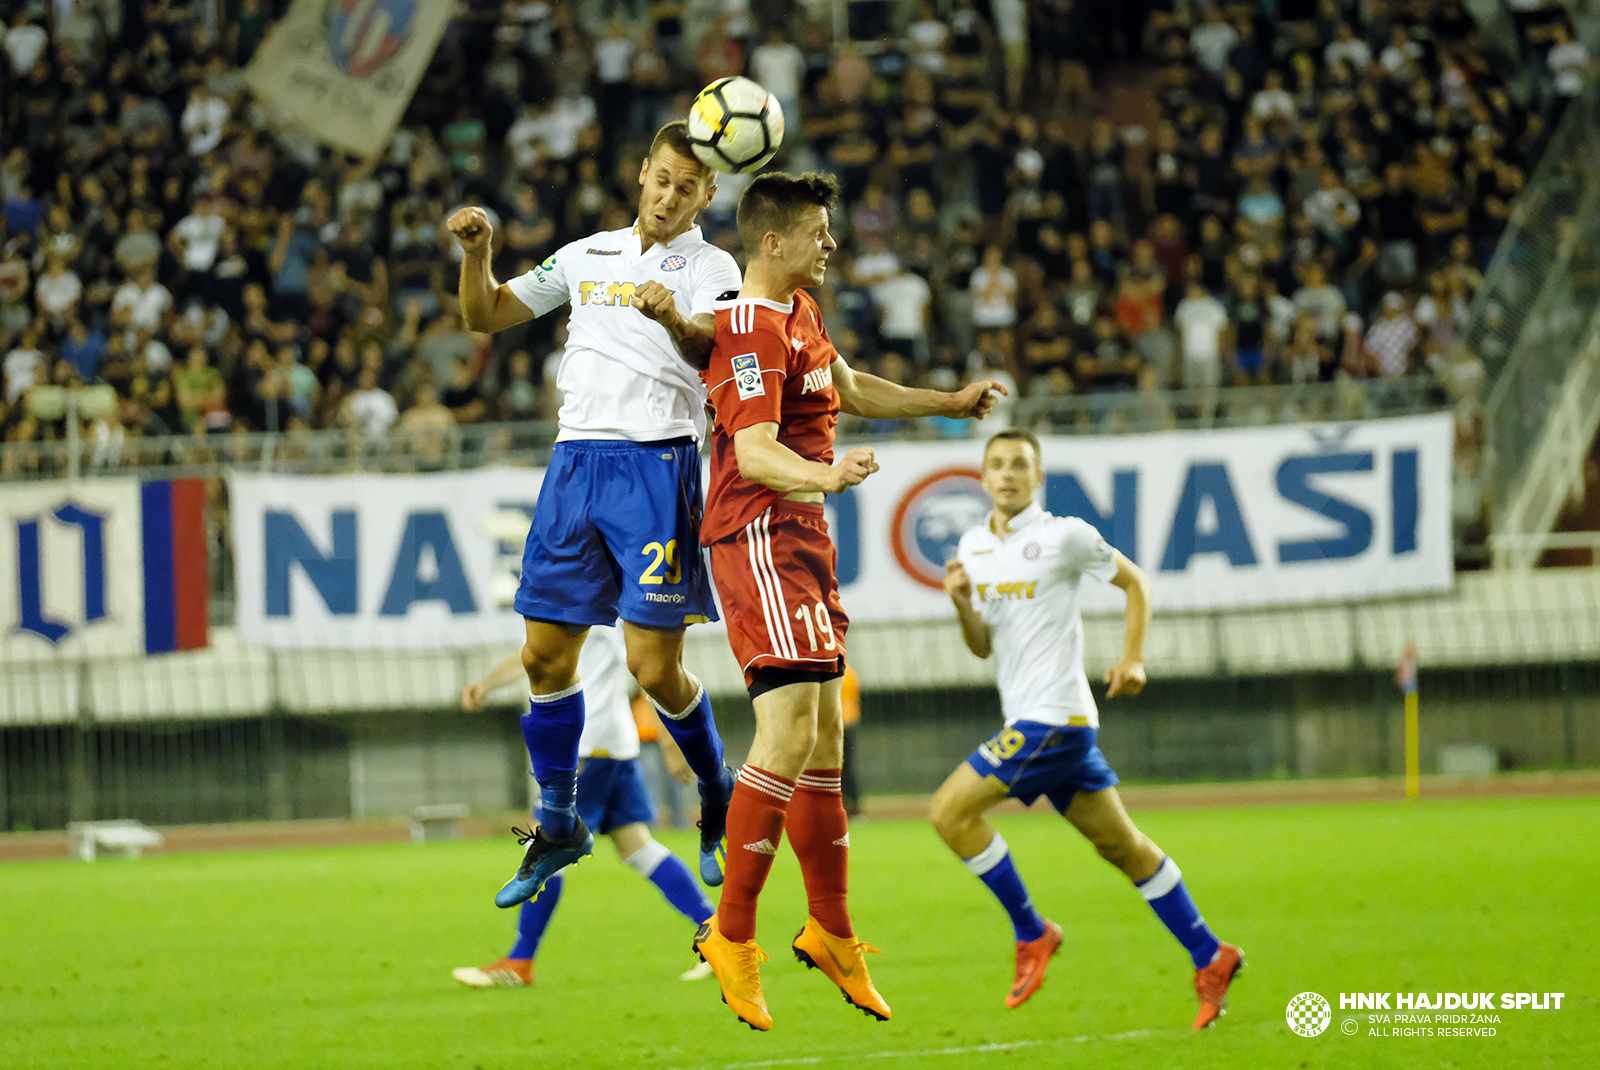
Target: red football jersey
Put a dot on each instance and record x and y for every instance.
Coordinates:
(771, 363)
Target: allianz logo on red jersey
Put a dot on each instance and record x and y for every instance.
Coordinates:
(818, 379)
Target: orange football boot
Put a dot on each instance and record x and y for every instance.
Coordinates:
(1033, 959)
(1211, 984)
(738, 970)
(843, 960)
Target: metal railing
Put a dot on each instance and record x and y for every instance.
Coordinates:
(529, 443)
(1549, 223)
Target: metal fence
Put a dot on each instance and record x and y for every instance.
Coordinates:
(529, 443)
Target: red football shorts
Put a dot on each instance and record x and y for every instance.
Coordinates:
(780, 591)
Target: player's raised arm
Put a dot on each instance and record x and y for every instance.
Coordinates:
(693, 335)
(862, 394)
(764, 460)
(487, 306)
(974, 629)
(506, 673)
(1126, 677)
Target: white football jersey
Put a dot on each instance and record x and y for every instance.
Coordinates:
(608, 728)
(621, 376)
(1026, 587)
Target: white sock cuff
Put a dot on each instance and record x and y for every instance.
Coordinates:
(699, 693)
(647, 858)
(989, 857)
(1162, 881)
(833, 784)
(765, 782)
(558, 696)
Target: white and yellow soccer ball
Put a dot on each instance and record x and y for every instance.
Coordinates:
(735, 125)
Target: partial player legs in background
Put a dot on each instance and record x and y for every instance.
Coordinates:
(1100, 816)
(516, 968)
(655, 659)
(957, 812)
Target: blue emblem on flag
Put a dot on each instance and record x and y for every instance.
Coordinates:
(673, 263)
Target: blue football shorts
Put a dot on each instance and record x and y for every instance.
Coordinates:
(616, 532)
(1033, 759)
(611, 793)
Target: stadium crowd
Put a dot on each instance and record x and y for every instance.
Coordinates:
(1312, 196)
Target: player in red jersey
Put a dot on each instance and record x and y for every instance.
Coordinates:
(778, 386)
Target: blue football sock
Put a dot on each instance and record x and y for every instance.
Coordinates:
(1167, 896)
(695, 732)
(551, 728)
(993, 866)
(671, 874)
(534, 918)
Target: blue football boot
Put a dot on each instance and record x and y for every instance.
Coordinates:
(545, 858)
(713, 827)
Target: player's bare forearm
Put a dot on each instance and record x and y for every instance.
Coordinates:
(480, 293)
(694, 338)
(874, 398)
(1136, 585)
(763, 459)
(505, 674)
(974, 629)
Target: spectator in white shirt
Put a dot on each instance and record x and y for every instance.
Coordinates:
(1568, 61)
(1348, 47)
(1322, 302)
(1212, 40)
(903, 301)
(57, 290)
(203, 120)
(780, 66)
(994, 292)
(25, 42)
(1201, 322)
(141, 302)
(1273, 102)
(23, 365)
(525, 138)
(198, 236)
(370, 409)
(1333, 208)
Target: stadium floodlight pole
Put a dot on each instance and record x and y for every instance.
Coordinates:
(1405, 674)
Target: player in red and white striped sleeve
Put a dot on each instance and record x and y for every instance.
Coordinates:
(777, 385)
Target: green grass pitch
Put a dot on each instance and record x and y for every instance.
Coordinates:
(339, 958)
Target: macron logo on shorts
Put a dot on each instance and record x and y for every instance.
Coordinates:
(762, 846)
(747, 376)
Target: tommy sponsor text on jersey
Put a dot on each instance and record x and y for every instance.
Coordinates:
(1025, 584)
(621, 376)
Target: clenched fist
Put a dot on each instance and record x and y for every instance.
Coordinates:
(656, 302)
(957, 584)
(852, 468)
(471, 228)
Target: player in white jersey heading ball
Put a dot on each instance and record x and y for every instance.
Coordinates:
(1024, 567)
(616, 530)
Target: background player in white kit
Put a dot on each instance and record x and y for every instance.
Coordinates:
(612, 798)
(617, 527)
(1024, 566)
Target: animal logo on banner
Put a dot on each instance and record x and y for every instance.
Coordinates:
(931, 518)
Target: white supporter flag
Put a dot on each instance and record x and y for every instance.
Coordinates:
(346, 69)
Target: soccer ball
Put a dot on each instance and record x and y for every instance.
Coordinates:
(735, 125)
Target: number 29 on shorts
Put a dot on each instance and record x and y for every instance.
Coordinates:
(663, 555)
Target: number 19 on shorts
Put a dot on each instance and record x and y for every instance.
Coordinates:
(817, 620)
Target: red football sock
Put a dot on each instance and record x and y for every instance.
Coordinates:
(819, 832)
(755, 828)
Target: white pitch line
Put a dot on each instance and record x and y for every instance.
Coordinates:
(1014, 1045)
